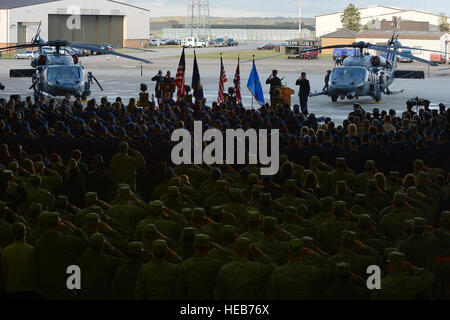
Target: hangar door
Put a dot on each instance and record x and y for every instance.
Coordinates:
(93, 29)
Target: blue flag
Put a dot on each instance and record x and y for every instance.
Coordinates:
(254, 85)
(196, 83)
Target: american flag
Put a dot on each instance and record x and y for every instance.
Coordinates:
(223, 79)
(179, 79)
(237, 83)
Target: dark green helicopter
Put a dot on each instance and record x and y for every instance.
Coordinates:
(58, 73)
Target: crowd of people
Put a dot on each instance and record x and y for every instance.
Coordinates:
(94, 186)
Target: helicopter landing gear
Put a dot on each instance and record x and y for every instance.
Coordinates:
(377, 98)
(334, 98)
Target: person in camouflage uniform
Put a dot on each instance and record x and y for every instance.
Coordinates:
(98, 266)
(342, 193)
(341, 173)
(346, 287)
(157, 279)
(242, 279)
(394, 182)
(198, 274)
(360, 183)
(442, 265)
(253, 232)
(368, 235)
(274, 249)
(294, 280)
(124, 165)
(91, 200)
(173, 200)
(329, 233)
(218, 197)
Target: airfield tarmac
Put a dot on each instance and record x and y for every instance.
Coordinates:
(122, 77)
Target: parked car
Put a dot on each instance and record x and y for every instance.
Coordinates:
(405, 59)
(266, 46)
(310, 54)
(343, 53)
(27, 54)
(231, 43)
(437, 57)
(193, 42)
(220, 42)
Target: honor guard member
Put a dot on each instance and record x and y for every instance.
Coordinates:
(275, 83)
(158, 93)
(303, 91)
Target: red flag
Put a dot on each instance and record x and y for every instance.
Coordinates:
(179, 79)
(223, 79)
(237, 83)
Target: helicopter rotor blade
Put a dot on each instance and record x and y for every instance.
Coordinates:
(410, 48)
(383, 49)
(330, 47)
(19, 46)
(140, 49)
(98, 48)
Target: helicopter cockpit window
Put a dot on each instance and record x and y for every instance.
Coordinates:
(69, 73)
(350, 74)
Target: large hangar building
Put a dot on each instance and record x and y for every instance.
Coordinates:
(83, 21)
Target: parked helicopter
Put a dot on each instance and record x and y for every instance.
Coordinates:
(368, 75)
(58, 73)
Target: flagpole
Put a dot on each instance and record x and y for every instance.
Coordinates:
(255, 79)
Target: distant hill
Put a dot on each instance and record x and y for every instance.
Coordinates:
(158, 23)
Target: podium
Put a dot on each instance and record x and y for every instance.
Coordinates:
(167, 90)
(285, 94)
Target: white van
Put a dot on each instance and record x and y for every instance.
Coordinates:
(192, 42)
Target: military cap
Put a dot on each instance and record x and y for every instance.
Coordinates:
(419, 222)
(34, 178)
(92, 218)
(62, 199)
(364, 220)
(235, 193)
(49, 217)
(387, 251)
(326, 203)
(340, 161)
(348, 236)
(124, 190)
(290, 211)
(264, 196)
(159, 247)
(173, 191)
(257, 188)
(3, 205)
(411, 192)
(371, 182)
(314, 160)
(296, 246)
(269, 222)
(422, 176)
(123, 147)
(343, 268)
(396, 257)
(155, 206)
(188, 233)
(13, 165)
(90, 196)
(393, 175)
(418, 163)
(7, 175)
(97, 240)
(198, 213)
(134, 247)
(201, 240)
(229, 231)
(35, 207)
(283, 158)
(220, 185)
(252, 216)
(302, 209)
(290, 184)
(241, 243)
(341, 185)
(252, 178)
(216, 210)
(339, 206)
(370, 164)
(356, 209)
(399, 197)
(186, 212)
(149, 228)
(445, 219)
(360, 197)
(308, 242)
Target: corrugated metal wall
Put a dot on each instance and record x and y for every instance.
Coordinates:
(94, 29)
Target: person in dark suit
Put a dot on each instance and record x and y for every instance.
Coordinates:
(275, 83)
(304, 89)
(158, 78)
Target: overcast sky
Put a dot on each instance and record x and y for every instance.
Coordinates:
(285, 8)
